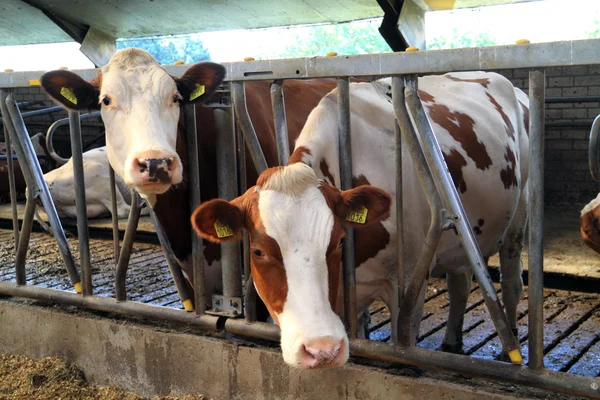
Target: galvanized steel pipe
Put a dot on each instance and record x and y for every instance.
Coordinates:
(279, 118)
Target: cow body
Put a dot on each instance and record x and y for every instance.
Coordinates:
(295, 217)
(590, 224)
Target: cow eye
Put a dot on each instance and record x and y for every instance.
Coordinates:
(106, 101)
(177, 99)
(258, 253)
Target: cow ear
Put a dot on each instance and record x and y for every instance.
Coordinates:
(363, 206)
(218, 220)
(200, 81)
(70, 90)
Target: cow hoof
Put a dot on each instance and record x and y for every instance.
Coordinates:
(455, 349)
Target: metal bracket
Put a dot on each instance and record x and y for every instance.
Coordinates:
(449, 220)
(226, 306)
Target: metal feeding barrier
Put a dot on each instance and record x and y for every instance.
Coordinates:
(413, 130)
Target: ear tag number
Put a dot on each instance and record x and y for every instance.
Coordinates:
(199, 91)
(358, 216)
(223, 230)
(68, 94)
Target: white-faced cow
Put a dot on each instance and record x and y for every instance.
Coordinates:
(295, 215)
(141, 109)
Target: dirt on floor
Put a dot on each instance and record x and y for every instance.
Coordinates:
(52, 378)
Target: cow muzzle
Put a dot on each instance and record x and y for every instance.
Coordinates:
(153, 172)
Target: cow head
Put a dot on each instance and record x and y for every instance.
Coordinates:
(296, 225)
(140, 105)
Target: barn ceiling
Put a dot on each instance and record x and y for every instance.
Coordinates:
(45, 21)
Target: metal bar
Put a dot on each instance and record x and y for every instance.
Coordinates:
(24, 238)
(345, 152)
(410, 296)
(174, 268)
(83, 234)
(534, 55)
(535, 287)
(195, 199)
(399, 208)
(128, 238)
(227, 189)
(281, 131)
(35, 179)
(238, 92)
(451, 201)
(42, 111)
(52, 130)
(572, 99)
(114, 213)
(11, 172)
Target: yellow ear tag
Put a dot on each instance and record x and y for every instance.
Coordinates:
(68, 94)
(359, 216)
(223, 230)
(199, 91)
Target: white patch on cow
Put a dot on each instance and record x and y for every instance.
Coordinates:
(142, 115)
(300, 221)
(591, 205)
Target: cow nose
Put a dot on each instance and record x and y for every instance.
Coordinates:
(322, 353)
(154, 167)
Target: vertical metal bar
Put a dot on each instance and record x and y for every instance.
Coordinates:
(11, 174)
(35, 179)
(24, 239)
(345, 150)
(281, 131)
(114, 212)
(238, 92)
(174, 268)
(80, 202)
(128, 238)
(451, 201)
(227, 189)
(535, 287)
(399, 207)
(195, 199)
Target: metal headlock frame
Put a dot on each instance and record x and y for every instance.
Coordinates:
(415, 132)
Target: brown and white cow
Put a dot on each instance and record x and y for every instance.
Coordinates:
(590, 224)
(295, 214)
(145, 132)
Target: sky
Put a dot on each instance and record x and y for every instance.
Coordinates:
(539, 21)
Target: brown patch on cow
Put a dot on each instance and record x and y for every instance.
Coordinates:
(477, 230)
(369, 240)
(298, 155)
(325, 170)
(525, 117)
(460, 126)
(483, 82)
(426, 97)
(480, 222)
(508, 174)
(456, 162)
(590, 229)
(267, 174)
(510, 129)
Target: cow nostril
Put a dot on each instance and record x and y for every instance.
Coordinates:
(141, 164)
(169, 161)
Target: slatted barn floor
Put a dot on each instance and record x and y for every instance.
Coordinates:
(572, 334)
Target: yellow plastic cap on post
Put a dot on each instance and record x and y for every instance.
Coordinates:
(188, 305)
(331, 54)
(9, 70)
(178, 62)
(248, 58)
(63, 68)
(411, 49)
(515, 357)
(78, 288)
(522, 41)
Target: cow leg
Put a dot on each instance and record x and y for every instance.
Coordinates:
(459, 287)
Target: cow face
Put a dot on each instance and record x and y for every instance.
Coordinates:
(295, 223)
(140, 105)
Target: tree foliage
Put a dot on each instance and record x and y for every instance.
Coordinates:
(167, 50)
(461, 39)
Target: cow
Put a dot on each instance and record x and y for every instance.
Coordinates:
(589, 225)
(61, 184)
(295, 214)
(145, 133)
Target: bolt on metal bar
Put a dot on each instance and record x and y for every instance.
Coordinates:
(128, 239)
(238, 92)
(80, 202)
(11, 175)
(114, 212)
(195, 199)
(174, 268)
(451, 201)
(35, 179)
(535, 288)
(345, 154)
(281, 131)
(410, 296)
(227, 189)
